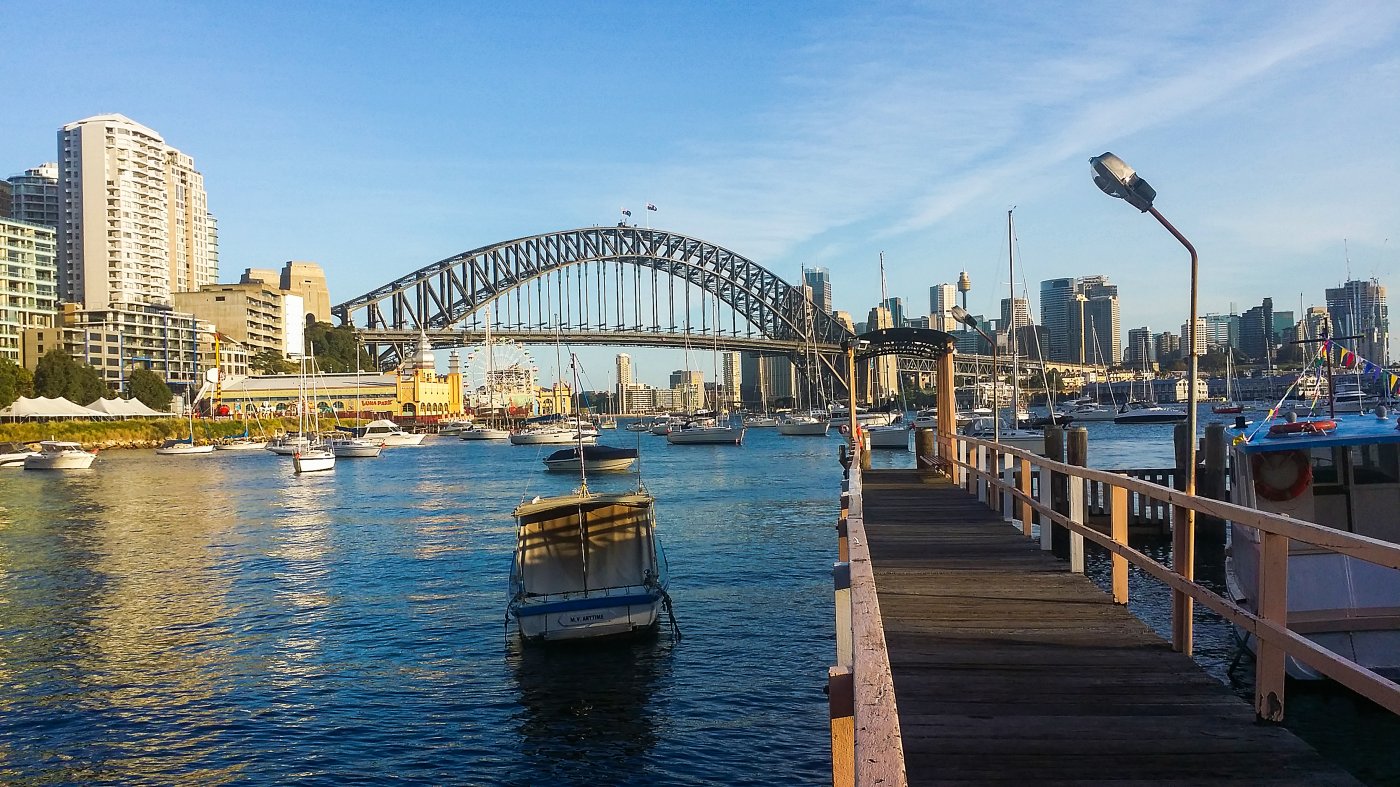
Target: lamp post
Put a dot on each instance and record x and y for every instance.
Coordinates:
(1116, 179)
(961, 315)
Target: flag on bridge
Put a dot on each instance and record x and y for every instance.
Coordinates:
(626, 212)
(650, 206)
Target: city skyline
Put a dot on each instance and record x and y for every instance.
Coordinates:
(896, 133)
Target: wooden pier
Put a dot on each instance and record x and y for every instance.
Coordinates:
(1008, 667)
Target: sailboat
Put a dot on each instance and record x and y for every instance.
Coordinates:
(1087, 409)
(587, 565)
(1230, 406)
(708, 427)
(485, 431)
(812, 422)
(245, 441)
(186, 446)
(315, 456)
(985, 428)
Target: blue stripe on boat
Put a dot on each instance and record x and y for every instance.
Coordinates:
(595, 602)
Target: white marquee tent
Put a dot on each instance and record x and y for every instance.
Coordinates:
(43, 407)
(126, 408)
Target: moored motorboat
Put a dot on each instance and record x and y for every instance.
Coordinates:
(389, 433)
(59, 455)
(241, 444)
(1148, 413)
(288, 444)
(760, 421)
(596, 458)
(1027, 439)
(705, 433)
(803, 426)
(354, 447)
(895, 435)
(14, 454)
(1341, 473)
(183, 447)
(483, 432)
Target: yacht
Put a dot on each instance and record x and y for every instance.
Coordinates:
(1090, 410)
(1341, 473)
(483, 432)
(761, 421)
(288, 444)
(354, 447)
(803, 425)
(596, 458)
(984, 428)
(893, 435)
(14, 454)
(183, 447)
(390, 434)
(1148, 413)
(705, 431)
(1347, 396)
(59, 455)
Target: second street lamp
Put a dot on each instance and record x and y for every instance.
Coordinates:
(961, 315)
(1117, 179)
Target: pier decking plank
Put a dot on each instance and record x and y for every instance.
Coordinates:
(1008, 668)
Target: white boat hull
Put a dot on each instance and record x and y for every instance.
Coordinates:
(889, 437)
(313, 461)
(15, 459)
(184, 449)
(804, 428)
(74, 460)
(241, 445)
(544, 620)
(551, 438)
(593, 465)
(1100, 414)
(760, 422)
(356, 450)
(484, 433)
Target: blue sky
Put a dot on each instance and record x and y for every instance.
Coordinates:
(376, 138)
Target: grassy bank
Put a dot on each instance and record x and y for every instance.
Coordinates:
(136, 433)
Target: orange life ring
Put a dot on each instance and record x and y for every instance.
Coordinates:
(1274, 464)
(1302, 427)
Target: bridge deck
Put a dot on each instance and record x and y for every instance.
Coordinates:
(1007, 667)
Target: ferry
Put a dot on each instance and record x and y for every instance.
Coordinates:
(1341, 472)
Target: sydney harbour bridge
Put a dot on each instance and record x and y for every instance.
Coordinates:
(615, 285)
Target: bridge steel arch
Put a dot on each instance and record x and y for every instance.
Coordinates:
(436, 299)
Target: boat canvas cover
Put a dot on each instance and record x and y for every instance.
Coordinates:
(593, 453)
(44, 407)
(616, 549)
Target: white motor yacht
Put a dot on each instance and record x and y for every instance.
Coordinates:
(706, 432)
(355, 447)
(183, 447)
(390, 434)
(59, 455)
(803, 425)
(1148, 413)
(895, 435)
(1028, 439)
(483, 432)
(288, 444)
(14, 454)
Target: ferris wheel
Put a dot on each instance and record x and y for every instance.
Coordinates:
(513, 372)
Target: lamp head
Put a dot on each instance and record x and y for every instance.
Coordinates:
(1115, 178)
(961, 315)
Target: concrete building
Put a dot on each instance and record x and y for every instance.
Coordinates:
(1022, 314)
(730, 379)
(254, 315)
(689, 386)
(34, 195)
(134, 225)
(818, 280)
(28, 286)
(1064, 333)
(1168, 347)
(896, 310)
(941, 298)
(625, 377)
(4, 199)
(307, 280)
(114, 341)
(1358, 308)
(266, 276)
(1140, 350)
(1056, 298)
(881, 374)
(767, 380)
(1257, 332)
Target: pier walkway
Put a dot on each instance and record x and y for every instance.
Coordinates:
(1007, 667)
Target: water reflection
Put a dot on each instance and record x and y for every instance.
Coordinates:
(588, 708)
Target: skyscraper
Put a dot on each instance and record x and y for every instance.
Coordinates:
(819, 281)
(1066, 330)
(1023, 314)
(1256, 331)
(1358, 308)
(1056, 298)
(34, 195)
(134, 225)
(941, 298)
(1139, 353)
(896, 310)
(26, 282)
(624, 373)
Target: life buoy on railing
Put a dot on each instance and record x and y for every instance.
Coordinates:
(1280, 475)
(1302, 428)
(843, 429)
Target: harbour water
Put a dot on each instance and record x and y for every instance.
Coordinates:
(219, 620)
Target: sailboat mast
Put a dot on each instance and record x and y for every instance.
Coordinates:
(1011, 338)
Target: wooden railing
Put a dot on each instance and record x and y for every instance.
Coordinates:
(866, 747)
(1001, 476)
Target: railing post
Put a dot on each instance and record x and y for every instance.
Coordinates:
(1023, 507)
(1118, 530)
(841, 580)
(1076, 515)
(982, 474)
(1273, 607)
(1008, 482)
(841, 704)
(1044, 496)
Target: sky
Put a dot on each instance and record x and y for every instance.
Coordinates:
(377, 138)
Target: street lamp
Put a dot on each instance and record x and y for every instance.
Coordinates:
(1117, 179)
(961, 315)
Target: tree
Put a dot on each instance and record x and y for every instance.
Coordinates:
(271, 362)
(59, 374)
(15, 381)
(337, 348)
(147, 388)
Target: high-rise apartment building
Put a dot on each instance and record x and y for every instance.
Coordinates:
(1168, 346)
(4, 199)
(941, 298)
(28, 292)
(1139, 353)
(624, 374)
(895, 306)
(819, 281)
(115, 341)
(1079, 315)
(34, 195)
(1358, 308)
(133, 224)
(731, 378)
(1056, 300)
(1022, 314)
(255, 314)
(1222, 330)
(1257, 331)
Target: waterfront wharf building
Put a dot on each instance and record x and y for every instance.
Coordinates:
(117, 340)
(34, 195)
(28, 286)
(1358, 308)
